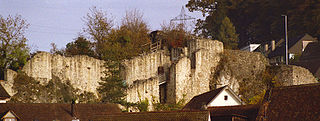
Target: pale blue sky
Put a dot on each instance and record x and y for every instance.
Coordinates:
(60, 21)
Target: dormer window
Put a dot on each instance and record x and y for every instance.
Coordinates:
(9, 116)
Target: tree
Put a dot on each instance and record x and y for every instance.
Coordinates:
(127, 40)
(259, 21)
(114, 45)
(112, 88)
(13, 47)
(136, 30)
(175, 35)
(54, 49)
(98, 26)
(227, 34)
(81, 46)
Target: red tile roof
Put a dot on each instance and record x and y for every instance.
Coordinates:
(62, 112)
(157, 116)
(198, 101)
(293, 103)
(249, 112)
(3, 93)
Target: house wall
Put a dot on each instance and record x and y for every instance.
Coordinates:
(3, 101)
(219, 99)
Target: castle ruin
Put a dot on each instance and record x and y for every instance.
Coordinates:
(163, 76)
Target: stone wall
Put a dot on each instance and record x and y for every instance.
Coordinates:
(141, 89)
(302, 76)
(237, 66)
(82, 71)
(294, 75)
(7, 84)
(144, 74)
(180, 83)
(191, 74)
(145, 66)
(186, 72)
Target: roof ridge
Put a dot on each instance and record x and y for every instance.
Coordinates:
(297, 86)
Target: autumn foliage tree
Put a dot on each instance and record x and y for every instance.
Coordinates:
(13, 48)
(175, 35)
(113, 44)
(98, 25)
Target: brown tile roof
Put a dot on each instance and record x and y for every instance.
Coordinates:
(157, 116)
(62, 112)
(248, 112)
(280, 49)
(198, 101)
(3, 93)
(294, 103)
(310, 58)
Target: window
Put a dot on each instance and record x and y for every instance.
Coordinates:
(10, 119)
(225, 97)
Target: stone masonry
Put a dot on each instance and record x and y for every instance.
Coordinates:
(82, 71)
(160, 76)
(181, 75)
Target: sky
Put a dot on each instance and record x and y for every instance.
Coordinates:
(61, 21)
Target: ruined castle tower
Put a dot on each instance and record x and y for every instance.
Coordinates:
(168, 77)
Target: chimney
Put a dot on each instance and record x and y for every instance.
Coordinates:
(73, 108)
(273, 45)
(266, 47)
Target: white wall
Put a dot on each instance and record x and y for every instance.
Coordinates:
(219, 100)
(3, 101)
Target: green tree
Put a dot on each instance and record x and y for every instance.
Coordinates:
(259, 21)
(114, 45)
(13, 47)
(81, 46)
(227, 34)
(112, 88)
